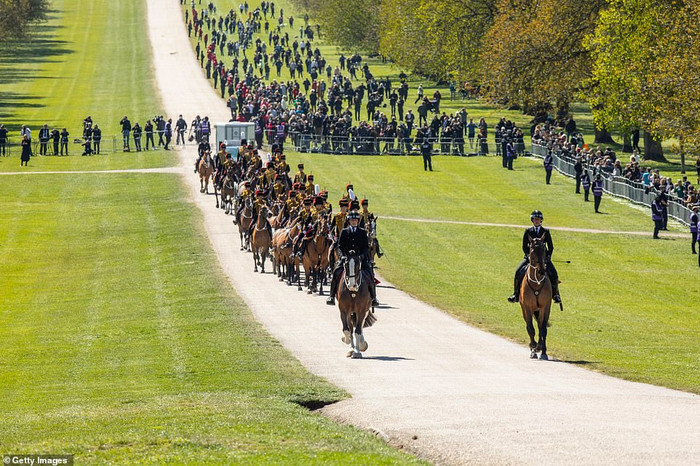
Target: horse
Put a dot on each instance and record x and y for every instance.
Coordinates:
(261, 240)
(205, 170)
(244, 222)
(229, 188)
(536, 297)
(354, 301)
(283, 250)
(315, 258)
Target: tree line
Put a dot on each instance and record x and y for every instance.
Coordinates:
(16, 17)
(635, 61)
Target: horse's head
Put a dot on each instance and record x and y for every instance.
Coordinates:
(353, 272)
(372, 233)
(538, 253)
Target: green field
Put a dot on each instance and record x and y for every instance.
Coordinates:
(630, 301)
(89, 58)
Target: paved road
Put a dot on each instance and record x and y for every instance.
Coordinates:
(429, 383)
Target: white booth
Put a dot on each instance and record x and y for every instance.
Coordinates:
(232, 132)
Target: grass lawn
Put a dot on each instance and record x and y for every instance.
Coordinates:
(116, 161)
(631, 302)
(121, 342)
(90, 58)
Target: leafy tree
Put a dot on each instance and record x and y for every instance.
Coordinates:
(17, 15)
(348, 23)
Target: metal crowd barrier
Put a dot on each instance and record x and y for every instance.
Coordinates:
(619, 186)
(370, 145)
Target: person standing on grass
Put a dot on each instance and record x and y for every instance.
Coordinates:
(657, 214)
(471, 132)
(96, 139)
(25, 131)
(3, 140)
(149, 134)
(26, 151)
(168, 133)
(586, 183)
(126, 130)
(510, 153)
(64, 140)
(43, 139)
(548, 165)
(597, 192)
(137, 136)
(420, 94)
(426, 148)
(56, 138)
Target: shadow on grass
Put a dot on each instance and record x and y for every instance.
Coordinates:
(580, 362)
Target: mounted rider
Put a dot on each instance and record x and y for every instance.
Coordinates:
(245, 193)
(305, 221)
(300, 176)
(353, 238)
(260, 202)
(536, 231)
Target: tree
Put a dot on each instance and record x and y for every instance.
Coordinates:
(534, 55)
(348, 23)
(646, 71)
(17, 15)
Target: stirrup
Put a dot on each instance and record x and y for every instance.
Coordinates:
(330, 301)
(375, 302)
(556, 298)
(513, 298)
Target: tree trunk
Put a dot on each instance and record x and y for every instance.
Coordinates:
(602, 136)
(653, 149)
(626, 143)
(562, 112)
(682, 151)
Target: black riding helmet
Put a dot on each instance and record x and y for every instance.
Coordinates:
(354, 216)
(536, 214)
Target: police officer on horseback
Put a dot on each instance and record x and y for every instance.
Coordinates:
(353, 238)
(536, 231)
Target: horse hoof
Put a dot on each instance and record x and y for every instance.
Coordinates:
(350, 354)
(309, 292)
(357, 355)
(363, 346)
(346, 338)
(544, 357)
(533, 355)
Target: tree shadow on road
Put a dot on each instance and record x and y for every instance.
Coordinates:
(388, 358)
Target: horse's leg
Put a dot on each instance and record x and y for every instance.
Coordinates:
(256, 258)
(263, 256)
(542, 324)
(360, 343)
(531, 332)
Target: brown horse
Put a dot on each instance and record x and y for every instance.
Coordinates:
(205, 170)
(536, 297)
(244, 221)
(354, 302)
(315, 258)
(261, 240)
(282, 249)
(229, 189)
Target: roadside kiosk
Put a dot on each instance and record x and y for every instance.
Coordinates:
(231, 134)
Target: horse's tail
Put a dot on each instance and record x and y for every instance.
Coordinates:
(369, 320)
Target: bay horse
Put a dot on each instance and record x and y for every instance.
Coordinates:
(283, 250)
(354, 301)
(536, 297)
(315, 258)
(244, 221)
(372, 237)
(229, 189)
(261, 240)
(205, 170)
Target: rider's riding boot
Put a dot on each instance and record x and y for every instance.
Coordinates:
(373, 294)
(380, 253)
(555, 291)
(514, 298)
(334, 288)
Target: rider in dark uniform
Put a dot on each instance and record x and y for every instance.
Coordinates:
(353, 238)
(536, 231)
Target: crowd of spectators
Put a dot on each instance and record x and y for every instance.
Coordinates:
(568, 143)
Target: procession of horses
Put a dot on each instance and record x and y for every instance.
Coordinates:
(288, 221)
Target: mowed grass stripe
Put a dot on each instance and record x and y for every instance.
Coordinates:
(122, 342)
(630, 301)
